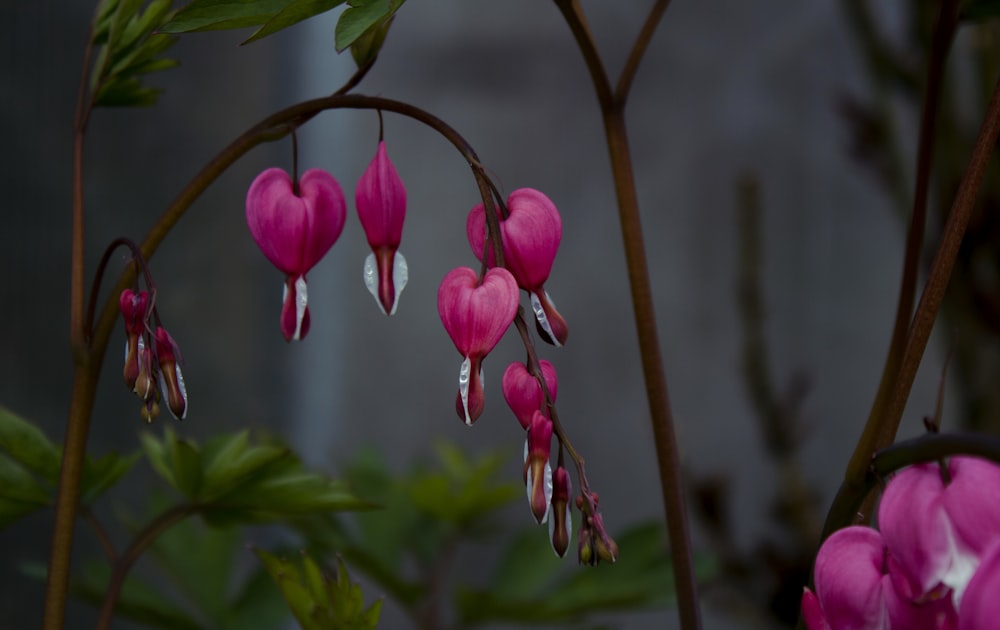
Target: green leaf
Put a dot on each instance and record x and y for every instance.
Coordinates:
(527, 567)
(366, 48)
(202, 576)
(294, 13)
(126, 93)
(233, 462)
(27, 444)
(186, 463)
(20, 485)
(258, 605)
(156, 453)
(100, 474)
(12, 510)
(360, 16)
(213, 15)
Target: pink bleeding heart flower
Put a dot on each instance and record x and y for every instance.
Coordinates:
(295, 227)
(938, 531)
(537, 470)
(171, 380)
(561, 523)
(134, 307)
(980, 604)
(381, 201)
(475, 315)
(522, 392)
(856, 582)
(530, 235)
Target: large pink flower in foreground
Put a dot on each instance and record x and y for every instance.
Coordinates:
(531, 234)
(938, 531)
(475, 315)
(381, 201)
(855, 589)
(295, 229)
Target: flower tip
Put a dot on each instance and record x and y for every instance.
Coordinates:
(295, 310)
(550, 324)
(386, 274)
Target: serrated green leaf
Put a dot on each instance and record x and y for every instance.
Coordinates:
(125, 10)
(102, 23)
(366, 48)
(186, 464)
(131, 62)
(294, 13)
(100, 474)
(235, 463)
(313, 578)
(27, 444)
(156, 453)
(358, 18)
(212, 15)
(202, 576)
(126, 93)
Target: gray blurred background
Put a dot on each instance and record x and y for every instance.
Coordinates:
(728, 87)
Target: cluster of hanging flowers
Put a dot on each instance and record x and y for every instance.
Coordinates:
(933, 563)
(296, 220)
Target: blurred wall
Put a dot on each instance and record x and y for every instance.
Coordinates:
(727, 88)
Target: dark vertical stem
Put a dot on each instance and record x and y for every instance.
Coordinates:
(612, 105)
(877, 431)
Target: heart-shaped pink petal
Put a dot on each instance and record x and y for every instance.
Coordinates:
(477, 315)
(531, 234)
(295, 230)
(523, 393)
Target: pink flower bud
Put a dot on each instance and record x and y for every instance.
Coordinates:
(475, 315)
(561, 523)
(537, 470)
(381, 201)
(295, 230)
(133, 305)
(530, 234)
(937, 532)
(171, 379)
(522, 392)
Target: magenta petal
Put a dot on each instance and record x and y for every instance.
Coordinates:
(550, 324)
(522, 392)
(381, 201)
(972, 501)
(477, 315)
(812, 613)
(848, 577)
(981, 603)
(295, 231)
(531, 234)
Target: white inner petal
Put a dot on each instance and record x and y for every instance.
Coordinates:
(548, 490)
(301, 301)
(400, 276)
(371, 279)
(463, 387)
(543, 321)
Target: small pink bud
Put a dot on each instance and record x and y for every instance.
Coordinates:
(171, 379)
(561, 523)
(530, 234)
(522, 392)
(133, 305)
(381, 201)
(537, 470)
(475, 315)
(294, 231)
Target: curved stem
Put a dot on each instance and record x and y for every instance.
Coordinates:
(101, 532)
(931, 447)
(142, 541)
(668, 460)
(843, 510)
(875, 434)
(639, 50)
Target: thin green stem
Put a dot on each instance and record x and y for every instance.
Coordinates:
(612, 106)
(142, 541)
